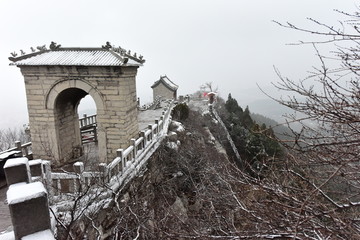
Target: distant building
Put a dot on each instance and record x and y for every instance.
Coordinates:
(164, 88)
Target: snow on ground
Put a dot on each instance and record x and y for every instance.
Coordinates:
(149, 116)
(7, 236)
(43, 235)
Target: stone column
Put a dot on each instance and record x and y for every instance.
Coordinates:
(29, 208)
(17, 170)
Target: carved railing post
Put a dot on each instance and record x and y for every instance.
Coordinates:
(17, 170)
(18, 145)
(47, 177)
(157, 126)
(133, 143)
(120, 154)
(78, 169)
(36, 170)
(104, 172)
(151, 134)
(28, 202)
(29, 209)
(142, 134)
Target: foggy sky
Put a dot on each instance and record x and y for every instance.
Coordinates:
(232, 43)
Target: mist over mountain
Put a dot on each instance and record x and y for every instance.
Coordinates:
(271, 109)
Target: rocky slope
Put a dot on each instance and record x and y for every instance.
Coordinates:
(187, 189)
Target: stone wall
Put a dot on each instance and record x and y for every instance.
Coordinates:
(163, 91)
(53, 94)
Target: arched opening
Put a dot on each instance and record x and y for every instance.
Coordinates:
(86, 110)
(69, 130)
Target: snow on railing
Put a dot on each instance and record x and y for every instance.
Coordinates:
(119, 171)
(153, 105)
(218, 118)
(87, 126)
(20, 150)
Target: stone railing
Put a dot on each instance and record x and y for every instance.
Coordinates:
(87, 120)
(88, 128)
(28, 202)
(20, 150)
(117, 173)
(88, 134)
(232, 144)
(153, 105)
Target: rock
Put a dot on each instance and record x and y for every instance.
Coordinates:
(125, 198)
(196, 207)
(172, 136)
(172, 145)
(178, 174)
(179, 209)
(176, 126)
(151, 225)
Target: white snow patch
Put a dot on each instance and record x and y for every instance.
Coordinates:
(79, 164)
(205, 112)
(43, 235)
(35, 162)
(8, 154)
(36, 179)
(21, 192)
(171, 133)
(178, 174)
(172, 145)
(178, 126)
(7, 236)
(16, 162)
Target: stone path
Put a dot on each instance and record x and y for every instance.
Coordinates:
(148, 117)
(5, 220)
(199, 105)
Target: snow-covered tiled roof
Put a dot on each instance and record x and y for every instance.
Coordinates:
(58, 56)
(167, 82)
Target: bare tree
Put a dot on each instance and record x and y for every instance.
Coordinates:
(324, 155)
(10, 135)
(209, 86)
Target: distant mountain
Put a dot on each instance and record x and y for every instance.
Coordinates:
(272, 110)
(281, 131)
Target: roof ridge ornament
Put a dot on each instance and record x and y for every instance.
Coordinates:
(119, 50)
(14, 54)
(107, 46)
(54, 46)
(41, 48)
(126, 56)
